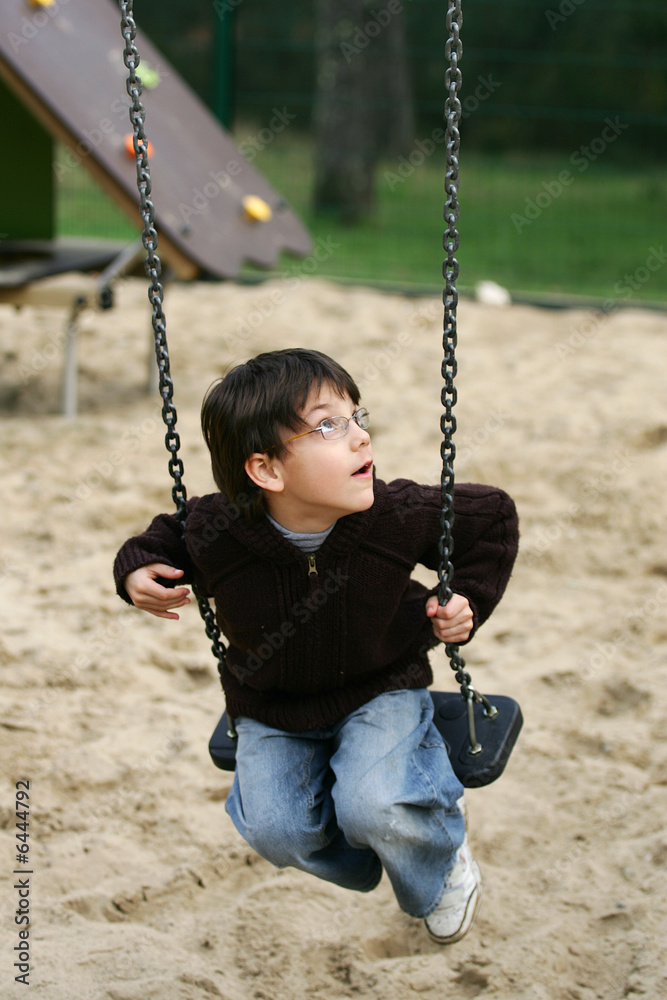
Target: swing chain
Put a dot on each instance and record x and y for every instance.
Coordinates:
(153, 269)
(450, 272)
(152, 265)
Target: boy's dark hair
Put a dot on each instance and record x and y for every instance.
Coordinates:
(247, 410)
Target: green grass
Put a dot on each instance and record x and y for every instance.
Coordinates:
(584, 240)
(84, 209)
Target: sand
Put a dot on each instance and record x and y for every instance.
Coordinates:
(140, 887)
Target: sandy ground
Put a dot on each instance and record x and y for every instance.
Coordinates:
(140, 886)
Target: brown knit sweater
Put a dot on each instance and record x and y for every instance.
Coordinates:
(312, 639)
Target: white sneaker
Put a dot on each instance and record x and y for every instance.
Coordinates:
(455, 913)
(463, 806)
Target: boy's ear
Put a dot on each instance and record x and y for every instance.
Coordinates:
(264, 472)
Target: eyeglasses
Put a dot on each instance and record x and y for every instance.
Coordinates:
(332, 428)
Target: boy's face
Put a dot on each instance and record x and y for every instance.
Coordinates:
(321, 480)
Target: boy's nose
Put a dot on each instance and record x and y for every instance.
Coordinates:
(361, 437)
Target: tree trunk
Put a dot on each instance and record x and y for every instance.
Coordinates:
(363, 103)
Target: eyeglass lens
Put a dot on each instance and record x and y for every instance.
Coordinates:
(335, 427)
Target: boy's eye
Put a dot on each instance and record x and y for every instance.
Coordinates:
(334, 427)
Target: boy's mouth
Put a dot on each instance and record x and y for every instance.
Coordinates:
(364, 470)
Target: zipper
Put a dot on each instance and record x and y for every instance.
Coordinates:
(312, 565)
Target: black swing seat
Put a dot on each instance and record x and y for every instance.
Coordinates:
(496, 735)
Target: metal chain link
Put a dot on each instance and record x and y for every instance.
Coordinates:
(450, 272)
(156, 295)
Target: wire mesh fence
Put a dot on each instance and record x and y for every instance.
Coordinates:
(563, 134)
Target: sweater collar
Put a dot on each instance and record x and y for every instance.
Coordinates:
(262, 538)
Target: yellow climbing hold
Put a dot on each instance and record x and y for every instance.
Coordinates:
(150, 77)
(42, 3)
(256, 209)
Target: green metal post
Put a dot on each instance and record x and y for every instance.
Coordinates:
(222, 76)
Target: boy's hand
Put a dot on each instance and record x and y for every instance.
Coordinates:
(151, 596)
(452, 622)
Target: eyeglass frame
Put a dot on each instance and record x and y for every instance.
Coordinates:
(361, 412)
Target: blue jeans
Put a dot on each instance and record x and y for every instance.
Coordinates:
(374, 791)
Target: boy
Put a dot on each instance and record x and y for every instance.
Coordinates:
(340, 770)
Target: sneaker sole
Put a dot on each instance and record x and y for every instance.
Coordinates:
(472, 909)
